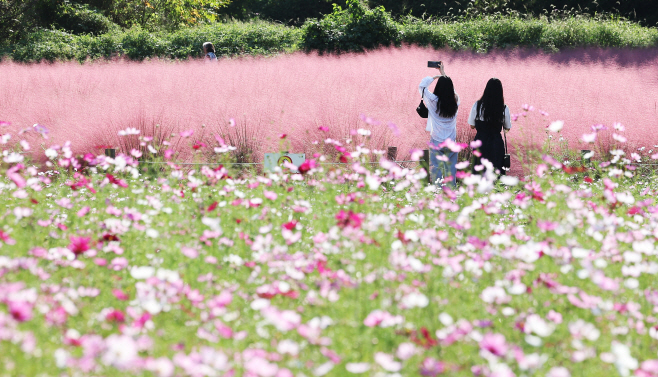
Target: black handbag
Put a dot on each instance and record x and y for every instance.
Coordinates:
(422, 109)
(506, 160)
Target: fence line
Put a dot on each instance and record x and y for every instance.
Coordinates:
(251, 163)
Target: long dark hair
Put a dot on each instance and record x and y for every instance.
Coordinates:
(492, 104)
(446, 92)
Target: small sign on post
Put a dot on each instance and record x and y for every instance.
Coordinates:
(110, 152)
(273, 160)
(392, 153)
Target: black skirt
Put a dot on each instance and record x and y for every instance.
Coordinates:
(493, 149)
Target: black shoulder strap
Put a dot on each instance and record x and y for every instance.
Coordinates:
(505, 134)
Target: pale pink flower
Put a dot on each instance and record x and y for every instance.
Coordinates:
(556, 126)
(387, 362)
(121, 351)
(554, 316)
(431, 367)
(118, 264)
(558, 372)
(589, 138)
(261, 367)
(270, 195)
(187, 133)
(161, 367)
(494, 343)
(382, 318)
(357, 368)
(405, 351)
(283, 320)
(189, 252)
(83, 211)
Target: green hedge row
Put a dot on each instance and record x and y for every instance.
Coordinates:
(488, 33)
(339, 32)
(255, 38)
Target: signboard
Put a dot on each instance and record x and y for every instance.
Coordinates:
(278, 159)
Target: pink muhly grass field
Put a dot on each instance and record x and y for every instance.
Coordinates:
(295, 94)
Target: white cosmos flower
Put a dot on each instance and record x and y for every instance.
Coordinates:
(556, 126)
(589, 138)
(144, 272)
(415, 300)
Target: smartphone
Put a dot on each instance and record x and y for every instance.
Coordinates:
(431, 64)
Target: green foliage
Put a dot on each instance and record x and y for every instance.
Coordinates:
(293, 12)
(80, 19)
(138, 44)
(164, 14)
(353, 29)
(234, 39)
(487, 33)
(641, 11)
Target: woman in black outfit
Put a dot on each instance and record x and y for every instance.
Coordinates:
(489, 116)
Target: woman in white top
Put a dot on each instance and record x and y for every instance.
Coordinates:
(209, 51)
(489, 116)
(443, 106)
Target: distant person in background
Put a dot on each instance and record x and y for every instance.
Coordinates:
(443, 106)
(489, 116)
(209, 51)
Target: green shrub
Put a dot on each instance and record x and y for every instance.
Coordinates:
(79, 19)
(353, 29)
(234, 39)
(486, 33)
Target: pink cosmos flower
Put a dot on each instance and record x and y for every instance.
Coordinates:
(494, 343)
(119, 294)
(189, 252)
(306, 166)
(20, 310)
(187, 133)
(323, 129)
(121, 351)
(349, 219)
(56, 317)
(431, 367)
(554, 316)
(118, 264)
(405, 351)
(118, 182)
(261, 367)
(115, 316)
(382, 319)
(79, 245)
(4, 237)
(270, 195)
(14, 175)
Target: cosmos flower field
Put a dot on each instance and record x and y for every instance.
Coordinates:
(111, 267)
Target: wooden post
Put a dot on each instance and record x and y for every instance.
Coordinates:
(392, 153)
(425, 163)
(110, 152)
